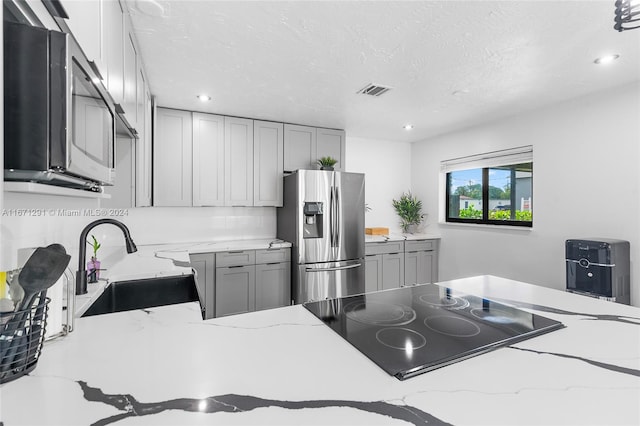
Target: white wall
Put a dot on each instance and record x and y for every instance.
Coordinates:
(157, 225)
(387, 169)
(586, 159)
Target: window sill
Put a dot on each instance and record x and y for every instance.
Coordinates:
(484, 226)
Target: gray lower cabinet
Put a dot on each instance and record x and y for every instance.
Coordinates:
(393, 264)
(204, 265)
(420, 262)
(384, 265)
(273, 285)
(241, 281)
(235, 290)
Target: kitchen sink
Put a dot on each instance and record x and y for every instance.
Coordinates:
(141, 294)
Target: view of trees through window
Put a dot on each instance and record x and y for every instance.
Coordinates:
(492, 195)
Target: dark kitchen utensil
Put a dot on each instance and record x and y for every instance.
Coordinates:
(45, 266)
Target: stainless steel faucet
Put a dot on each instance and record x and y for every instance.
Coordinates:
(81, 275)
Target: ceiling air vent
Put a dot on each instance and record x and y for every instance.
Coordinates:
(373, 90)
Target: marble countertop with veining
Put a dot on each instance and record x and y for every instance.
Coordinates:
(166, 366)
(160, 260)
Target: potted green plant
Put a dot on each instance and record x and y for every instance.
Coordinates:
(327, 163)
(409, 208)
(93, 266)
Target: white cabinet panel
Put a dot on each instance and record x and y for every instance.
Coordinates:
(268, 146)
(208, 160)
(172, 172)
(86, 24)
(143, 160)
(129, 104)
(238, 173)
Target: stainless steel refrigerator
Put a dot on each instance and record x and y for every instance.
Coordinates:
(323, 218)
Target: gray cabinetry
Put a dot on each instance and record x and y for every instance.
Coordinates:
(268, 152)
(235, 282)
(420, 262)
(392, 264)
(235, 290)
(331, 143)
(208, 160)
(238, 167)
(204, 265)
(172, 172)
(299, 147)
(384, 265)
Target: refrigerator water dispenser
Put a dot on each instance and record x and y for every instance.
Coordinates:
(312, 227)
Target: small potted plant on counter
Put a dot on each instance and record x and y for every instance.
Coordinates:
(327, 163)
(93, 266)
(409, 208)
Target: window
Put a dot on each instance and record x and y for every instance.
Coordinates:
(494, 188)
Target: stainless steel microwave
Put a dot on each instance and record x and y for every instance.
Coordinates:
(59, 122)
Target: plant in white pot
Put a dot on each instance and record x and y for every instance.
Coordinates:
(409, 208)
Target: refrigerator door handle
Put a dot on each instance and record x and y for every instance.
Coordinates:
(338, 218)
(337, 268)
(331, 218)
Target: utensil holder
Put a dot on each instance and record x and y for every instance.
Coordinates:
(21, 339)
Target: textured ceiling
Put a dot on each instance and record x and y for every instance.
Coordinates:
(452, 64)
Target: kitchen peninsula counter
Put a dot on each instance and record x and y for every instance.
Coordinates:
(284, 366)
(159, 261)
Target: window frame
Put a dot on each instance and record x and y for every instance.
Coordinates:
(485, 200)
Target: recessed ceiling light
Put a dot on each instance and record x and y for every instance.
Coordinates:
(408, 126)
(603, 60)
(204, 98)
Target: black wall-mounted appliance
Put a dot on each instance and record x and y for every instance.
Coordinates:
(59, 121)
(599, 268)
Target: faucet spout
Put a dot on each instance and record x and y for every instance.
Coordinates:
(81, 274)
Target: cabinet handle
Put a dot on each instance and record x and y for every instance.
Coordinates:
(235, 252)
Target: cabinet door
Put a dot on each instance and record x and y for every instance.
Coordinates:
(172, 158)
(235, 290)
(143, 157)
(331, 143)
(268, 146)
(130, 78)
(392, 270)
(273, 285)
(86, 25)
(373, 273)
(114, 45)
(204, 265)
(238, 166)
(123, 189)
(418, 267)
(299, 148)
(208, 160)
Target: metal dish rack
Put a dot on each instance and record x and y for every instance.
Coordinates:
(21, 339)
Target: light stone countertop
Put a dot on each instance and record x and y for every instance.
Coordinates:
(400, 237)
(166, 366)
(160, 260)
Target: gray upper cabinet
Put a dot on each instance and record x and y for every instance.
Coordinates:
(299, 148)
(114, 44)
(86, 24)
(172, 156)
(331, 143)
(208, 160)
(129, 104)
(238, 167)
(268, 161)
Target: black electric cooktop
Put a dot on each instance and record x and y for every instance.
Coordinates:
(412, 330)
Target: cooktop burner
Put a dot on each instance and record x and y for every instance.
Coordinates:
(412, 330)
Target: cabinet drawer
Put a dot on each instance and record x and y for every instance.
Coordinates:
(384, 247)
(235, 258)
(419, 245)
(273, 256)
